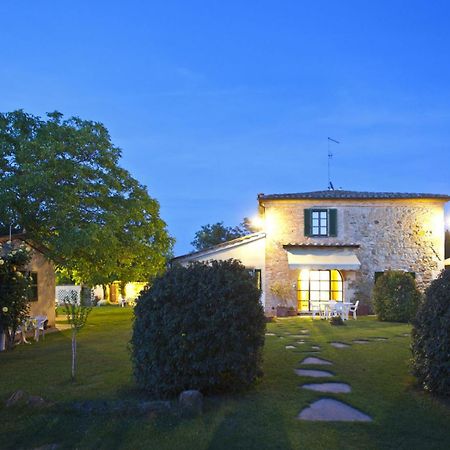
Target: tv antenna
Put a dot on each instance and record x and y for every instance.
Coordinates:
(330, 157)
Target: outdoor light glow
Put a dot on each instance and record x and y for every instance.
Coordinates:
(258, 222)
(270, 224)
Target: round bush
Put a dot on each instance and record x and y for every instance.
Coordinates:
(199, 327)
(396, 297)
(431, 337)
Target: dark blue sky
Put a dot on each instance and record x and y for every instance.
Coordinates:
(213, 102)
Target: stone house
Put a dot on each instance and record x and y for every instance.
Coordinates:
(331, 245)
(42, 271)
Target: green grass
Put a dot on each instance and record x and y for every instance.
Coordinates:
(264, 418)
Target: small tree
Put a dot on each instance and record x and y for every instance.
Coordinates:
(14, 290)
(283, 293)
(76, 316)
(396, 297)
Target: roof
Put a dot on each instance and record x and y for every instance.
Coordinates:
(223, 245)
(355, 195)
(22, 237)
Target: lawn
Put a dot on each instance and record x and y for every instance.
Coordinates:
(264, 418)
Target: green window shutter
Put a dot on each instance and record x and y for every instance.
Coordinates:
(332, 215)
(307, 218)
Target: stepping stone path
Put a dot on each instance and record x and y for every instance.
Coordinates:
(318, 361)
(289, 347)
(335, 388)
(329, 410)
(313, 373)
(301, 342)
(339, 345)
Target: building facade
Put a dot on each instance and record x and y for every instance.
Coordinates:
(42, 272)
(331, 245)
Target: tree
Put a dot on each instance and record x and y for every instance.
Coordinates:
(14, 290)
(76, 316)
(210, 235)
(61, 181)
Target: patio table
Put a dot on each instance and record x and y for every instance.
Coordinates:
(334, 308)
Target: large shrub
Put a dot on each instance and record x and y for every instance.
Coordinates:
(396, 297)
(431, 337)
(199, 327)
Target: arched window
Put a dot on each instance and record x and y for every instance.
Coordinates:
(315, 286)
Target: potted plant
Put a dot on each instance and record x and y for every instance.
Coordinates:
(283, 293)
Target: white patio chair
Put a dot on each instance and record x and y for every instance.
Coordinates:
(353, 309)
(39, 327)
(316, 308)
(345, 310)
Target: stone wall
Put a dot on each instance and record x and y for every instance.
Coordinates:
(392, 234)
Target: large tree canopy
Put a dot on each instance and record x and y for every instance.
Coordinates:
(60, 180)
(214, 234)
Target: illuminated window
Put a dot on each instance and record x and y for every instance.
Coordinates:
(315, 286)
(256, 273)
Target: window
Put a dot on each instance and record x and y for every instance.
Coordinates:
(257, 276)
(320, 222)
(315, 286)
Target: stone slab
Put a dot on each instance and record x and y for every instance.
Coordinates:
(315, 347)
(270, 334)
(330, 410)
(335, 388)
(313, 373)
(361, 341)
(339, 345)
(314, 360)
(289, 347)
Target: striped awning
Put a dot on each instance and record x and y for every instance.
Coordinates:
(326, 258)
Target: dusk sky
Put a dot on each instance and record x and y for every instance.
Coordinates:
(214, 102)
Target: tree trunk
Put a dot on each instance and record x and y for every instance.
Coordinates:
(74, 352)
